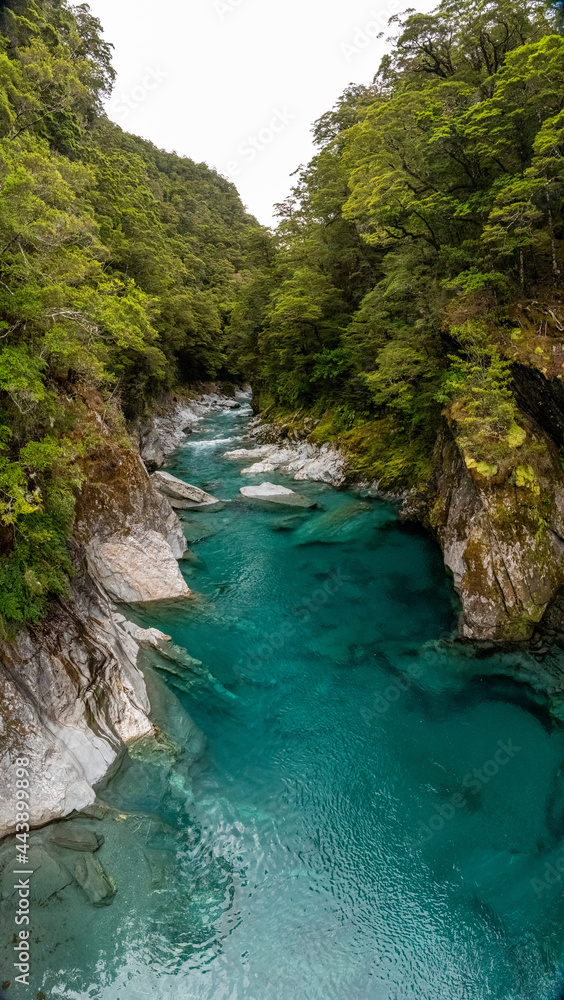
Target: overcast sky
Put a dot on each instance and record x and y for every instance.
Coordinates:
(238, 83)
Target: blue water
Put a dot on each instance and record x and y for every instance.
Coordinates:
(370, 817)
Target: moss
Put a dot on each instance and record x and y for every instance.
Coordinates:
(525, 478)
(516, 436)
(378, 450)
(482, 468)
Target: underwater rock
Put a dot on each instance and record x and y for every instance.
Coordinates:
(198, 529)
(92, 877)
(77, 838)
(289, 523)
(161, 863)
(155, 748)
(49, 876)
(352, 521)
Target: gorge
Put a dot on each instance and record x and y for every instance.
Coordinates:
(282, 533)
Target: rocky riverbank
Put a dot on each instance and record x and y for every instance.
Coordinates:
(72, 696)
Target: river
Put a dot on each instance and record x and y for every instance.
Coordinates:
(371, 816)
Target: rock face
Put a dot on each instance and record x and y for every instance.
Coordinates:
(507, 559)
(137, 567)
(128, 530)
(70, 697)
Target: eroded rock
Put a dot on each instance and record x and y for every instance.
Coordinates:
(506, 556)
(71, 696)
(137, 567)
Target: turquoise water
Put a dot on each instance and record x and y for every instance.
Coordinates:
(369, 818)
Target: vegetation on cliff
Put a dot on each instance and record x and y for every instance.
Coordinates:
(415, 242)
(119, 268)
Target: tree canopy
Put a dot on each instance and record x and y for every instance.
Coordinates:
(119, 271)
(431, 210)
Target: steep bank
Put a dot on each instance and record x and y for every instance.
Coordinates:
(71, 694)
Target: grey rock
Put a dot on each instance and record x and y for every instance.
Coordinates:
(177, 489)
(97, 884)
(136, 567)
(72, 696)
(98, 810)
(505, 569)
(76, 838)
(271, 493)
(151, 448)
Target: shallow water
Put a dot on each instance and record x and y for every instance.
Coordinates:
(369, 820)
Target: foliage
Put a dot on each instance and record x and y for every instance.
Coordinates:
(434, 203)
(120, 267)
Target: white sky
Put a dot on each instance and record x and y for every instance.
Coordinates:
(238, 83)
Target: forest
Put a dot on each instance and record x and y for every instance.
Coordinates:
(120, 266)
(421, 251)
(418, 257)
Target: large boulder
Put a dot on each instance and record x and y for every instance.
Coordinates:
(136, 567)
(77, 838)
(95, 881)
(181, 494)
(271, 493)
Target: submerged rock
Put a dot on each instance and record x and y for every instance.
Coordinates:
(76, 838)
(49, 876)
(95, 881)
(271, 493)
